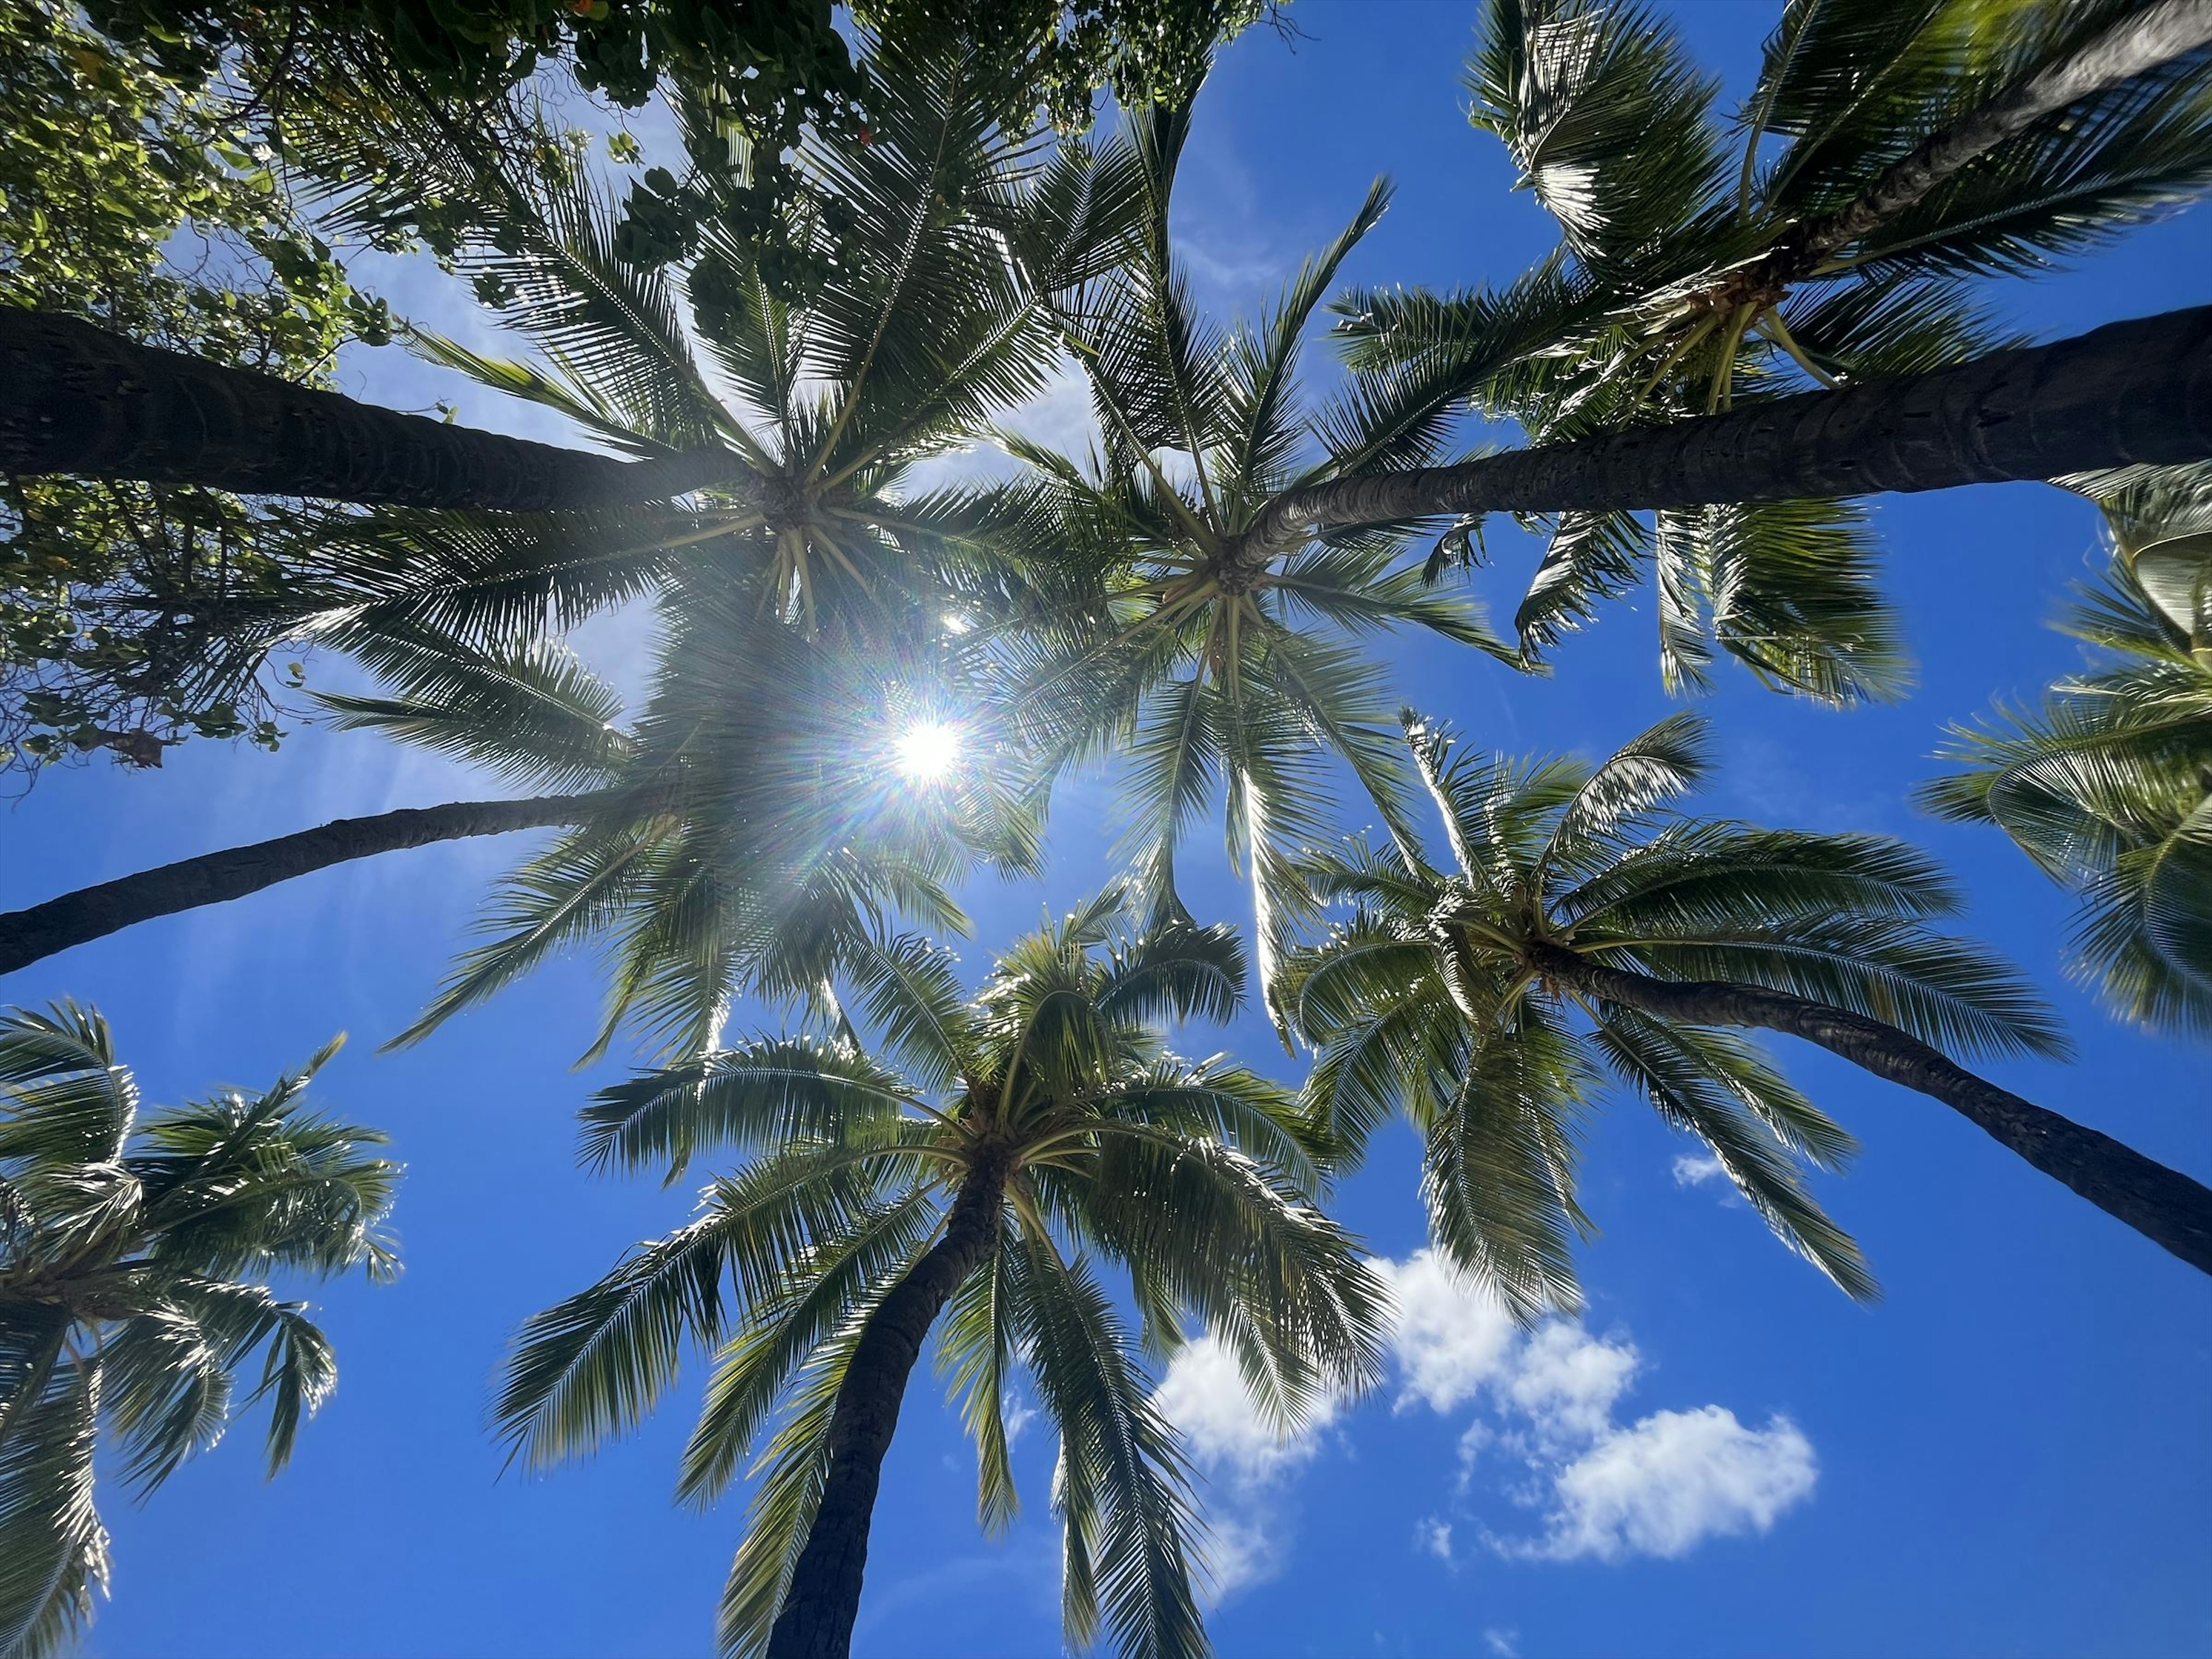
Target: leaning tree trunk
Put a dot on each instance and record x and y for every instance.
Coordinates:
(2138, 43)
(90, 912)
(2127, 393)
(2163, 1205)
(816, 1619)
(77, 399)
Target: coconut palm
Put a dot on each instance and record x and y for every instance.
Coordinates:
(1832, 233)
(1581, 929)
(974, 1169)
(132, 1257)
(801, 599)
(2108, 786)
(1149, 628)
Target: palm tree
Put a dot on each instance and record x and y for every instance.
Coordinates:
(1150, 628)
(131, 1261)
(802, 603)
(1889, 154)
(973, 1170)
(1452, 994)
(2108, 786)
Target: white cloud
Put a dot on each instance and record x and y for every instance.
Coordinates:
(1694, 1169)
(1433, 1536)
(1451, 1338)
(1546, 1421)
(1059, 417)
(1660, 1486)
(1674, 1480)
(1203, 1395)
(1248, 1457)
(1503, 1644)
(1566, 1381)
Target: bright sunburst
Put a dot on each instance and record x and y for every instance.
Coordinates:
(929, 749)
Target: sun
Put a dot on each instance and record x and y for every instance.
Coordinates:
(929, 749)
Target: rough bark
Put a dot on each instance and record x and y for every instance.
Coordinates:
(2163, 1205)
(2139, 391)
(816, 1619)
(90, 912)
(76, 399)
(2134, 45)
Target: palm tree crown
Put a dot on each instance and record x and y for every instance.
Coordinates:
(1450, 994)
(1680, 286)
(2108, 786)
(130, 1257)
(1152, 626)
(1022, 1132)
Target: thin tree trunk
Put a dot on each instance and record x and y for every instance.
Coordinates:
(2163, 1205)
(2132, 391)
(76, 399)
(90, 912)
(2137, 44)
(816, 1619)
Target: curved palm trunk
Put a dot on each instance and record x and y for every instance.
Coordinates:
(77, 399)
(816, 1619)
(2138, 43)
(2163, 1205)
(2133, 391)
(90, 912)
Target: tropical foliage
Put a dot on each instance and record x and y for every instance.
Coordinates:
(133, 618)
(1677, 287)
(1154, 630)
(1433, 997)
(1049, 1101)
(133, 1255)
(2108, 785)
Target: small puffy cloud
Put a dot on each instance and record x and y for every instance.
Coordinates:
(1249, 1517)
(1660, 1486)
(1566, 1381)
(1433, 1537)
(1672, 1480)
(1203, 1395)
(1696, 1169)
(1503, 1644)
(1451, 1338)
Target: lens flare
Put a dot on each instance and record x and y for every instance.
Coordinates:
(927, 751)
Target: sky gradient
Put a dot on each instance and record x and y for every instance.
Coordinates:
(2010, 1455)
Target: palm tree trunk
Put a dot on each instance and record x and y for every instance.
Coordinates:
(2132, 391)
(90, 912)
(77, 399)
(816, 1619)
(2163, 1205)
(2137, 44)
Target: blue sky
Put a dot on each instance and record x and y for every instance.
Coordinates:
(2010, 1455)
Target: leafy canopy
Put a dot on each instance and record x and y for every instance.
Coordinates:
(1191, 1177)
(1674, 289)
(132, 1257)
(2107, 785)
(1424, 1000)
